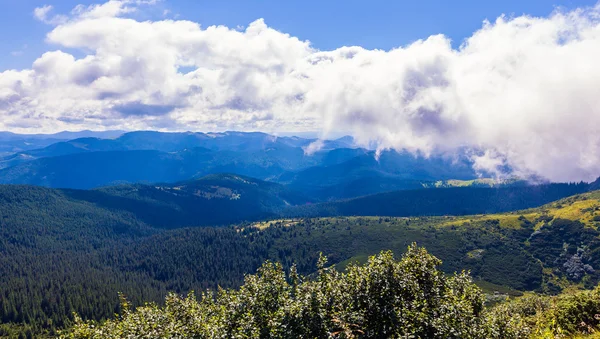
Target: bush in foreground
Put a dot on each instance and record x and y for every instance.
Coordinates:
(386, 298)
(563, 316)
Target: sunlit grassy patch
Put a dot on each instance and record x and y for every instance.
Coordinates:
(360, 259)
(584, 207)
(584, 211)
(266, 224)
(511, 220)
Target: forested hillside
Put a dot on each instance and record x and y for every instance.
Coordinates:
(213, 200)
(64, 253)
(175, 169)
(443, 201)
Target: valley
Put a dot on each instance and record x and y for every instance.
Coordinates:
(79, 249)
(148, 214)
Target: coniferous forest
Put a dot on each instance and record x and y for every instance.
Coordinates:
(64, 253)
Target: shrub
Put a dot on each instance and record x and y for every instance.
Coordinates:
(385, 298)
(560, 316)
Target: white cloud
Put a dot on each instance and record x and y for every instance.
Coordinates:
(43, 15)
(313, 147)
(521, 90)
(112, 8)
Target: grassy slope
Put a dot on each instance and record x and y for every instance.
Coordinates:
(582, 207)
(453, 238)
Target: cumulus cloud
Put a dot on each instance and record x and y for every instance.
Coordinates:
(522, 92)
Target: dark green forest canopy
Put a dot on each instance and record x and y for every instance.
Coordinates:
(199, 258)
(61, 253)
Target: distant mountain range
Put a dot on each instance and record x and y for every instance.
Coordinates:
(83, 142)
(64, 135)
(337, 170)
(11, 143)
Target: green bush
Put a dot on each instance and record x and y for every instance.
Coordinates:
(386, 298)
(577, 313)
(560, 316)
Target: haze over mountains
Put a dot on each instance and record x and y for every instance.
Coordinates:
(11, 143)
(198, 178)
(155, 174)
(338, 169)
(513, 86)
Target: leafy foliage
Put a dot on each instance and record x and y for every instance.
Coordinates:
(565, 315)
(382, 299)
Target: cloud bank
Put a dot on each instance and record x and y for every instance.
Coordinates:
(523, 91)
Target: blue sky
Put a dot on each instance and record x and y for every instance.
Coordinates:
(327, 24)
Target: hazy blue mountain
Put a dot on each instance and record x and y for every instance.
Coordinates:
(165, 142)
(80, 145)
(65, 135)
(340, 155)
(87, 170)
(161, 157)
(11, 146)
(345, 173)
(221, 141)
(336, 171)
(11, 143)
(94, 169)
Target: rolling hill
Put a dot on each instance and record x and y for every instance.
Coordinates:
(345, 173)
(79, 248)
(442, 201)
(217, 199)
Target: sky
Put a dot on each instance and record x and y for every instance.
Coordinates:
(376, 24)
(515, 80)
